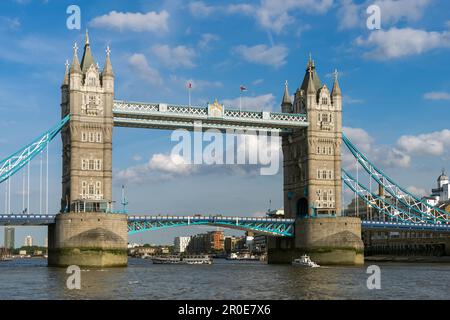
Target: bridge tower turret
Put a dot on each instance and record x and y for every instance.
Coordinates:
(86, 233)
(87, 141)
(312, 178)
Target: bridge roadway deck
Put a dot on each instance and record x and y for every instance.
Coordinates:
(43, 220)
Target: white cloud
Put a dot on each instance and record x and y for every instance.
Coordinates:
(393, 11)
(139, 64)
(139, 22)
(261, 54)
(206, 39)
(437, 95)
(351, 14)
(417, 191)
(264, 102)
(179, 56)
(396, 43)
(434, 144)
(159, 167)
(200, 9)
(273, 15)
(382, 155)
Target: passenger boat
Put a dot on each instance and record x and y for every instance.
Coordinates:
(305, 261)
(166, 259)
(198, 259)
(188, 259)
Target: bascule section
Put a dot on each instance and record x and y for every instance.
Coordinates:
(85, 232)
(312, 181)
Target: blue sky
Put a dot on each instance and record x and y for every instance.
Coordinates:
(395, 83)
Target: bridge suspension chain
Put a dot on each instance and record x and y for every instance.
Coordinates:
(399, 194)
(17, 161)
(395, 213)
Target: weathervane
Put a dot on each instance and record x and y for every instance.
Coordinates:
(336, 73)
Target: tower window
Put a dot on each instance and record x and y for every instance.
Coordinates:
(98, 164)
(324, 100)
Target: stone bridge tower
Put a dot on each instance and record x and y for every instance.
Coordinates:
(86, 233)
(312, 155)
(312, 178)
(87, 95)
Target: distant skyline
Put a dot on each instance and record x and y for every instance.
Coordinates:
(394, 81)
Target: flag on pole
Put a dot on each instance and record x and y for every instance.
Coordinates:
(189, 87)
(242, 88)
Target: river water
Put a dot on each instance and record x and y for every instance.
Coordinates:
(32, 279)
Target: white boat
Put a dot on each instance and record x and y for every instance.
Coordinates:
(166, 259)
(305, 261)
(188, 259)
(199, 259)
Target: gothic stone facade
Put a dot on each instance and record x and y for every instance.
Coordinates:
(312, 155)
(87, 95)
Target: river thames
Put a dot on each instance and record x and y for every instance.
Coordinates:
(32, 279)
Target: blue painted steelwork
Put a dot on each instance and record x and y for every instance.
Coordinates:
(400, 194)
(380, 204)
(12, 164)
(269, 226)
(395, 226)
(171, 116)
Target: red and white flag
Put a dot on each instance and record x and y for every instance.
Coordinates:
(243, 88)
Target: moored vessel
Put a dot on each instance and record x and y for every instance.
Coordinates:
(305, 261)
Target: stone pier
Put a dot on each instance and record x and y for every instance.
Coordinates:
(88, 240)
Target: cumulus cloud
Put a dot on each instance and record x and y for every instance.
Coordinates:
(436, 96)
(434, 144)
(351, 14)
(397, 43)
(273, 15)
(264, 102)
(261, 54)
(138, 62)
(159, 167)
(179, 56)
(382, 155)
(140, 22)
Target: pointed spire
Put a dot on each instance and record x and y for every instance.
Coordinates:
(66, 74)
(311, 73)
(87, 59)
(310, 62)
(286, 98)
(75, 67)
(311, 88)
(107, 69)
(336, 89)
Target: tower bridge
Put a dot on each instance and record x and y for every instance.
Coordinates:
(86, 231)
